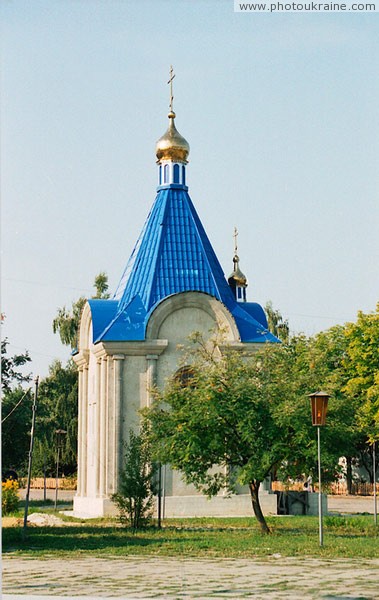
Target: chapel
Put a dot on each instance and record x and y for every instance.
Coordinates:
(173, 285)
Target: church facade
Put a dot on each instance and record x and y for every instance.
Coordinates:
(173, 285)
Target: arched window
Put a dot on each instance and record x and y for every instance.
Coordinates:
(166, 173)
(160, 174)
(176, 173)
(185, 376)
(183, 175)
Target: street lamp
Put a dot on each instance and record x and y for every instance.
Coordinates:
(60, 433)
(374, 479)
(319, 406)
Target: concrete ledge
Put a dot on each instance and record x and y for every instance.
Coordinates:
(218, 506)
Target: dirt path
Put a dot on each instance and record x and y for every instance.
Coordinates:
(134, 577)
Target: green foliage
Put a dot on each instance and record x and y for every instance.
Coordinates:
(67, 321)
(9, 497)
(57, 409)
(240, 417)
(16, 415)
(101, 286)
(135, 496)
(10, 365)
(362, 364)
(276, 324)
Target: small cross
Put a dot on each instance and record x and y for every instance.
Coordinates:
(172, 75)
(235, 235)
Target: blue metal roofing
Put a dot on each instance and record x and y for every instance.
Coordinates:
(172, 255)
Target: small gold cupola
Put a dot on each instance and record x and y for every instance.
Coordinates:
(172, 150)
(172, 146)
(237, 280)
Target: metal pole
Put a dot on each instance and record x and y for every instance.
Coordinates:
(319, 489)
(56, 476)
(44, 478)
(34, 408)
(159, 496)
(374, 478)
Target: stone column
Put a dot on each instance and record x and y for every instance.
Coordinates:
(103, 428)
(109, 430)
(79, 486)
(151, 376)
(97, 427)
(117, 423)
(84, 439)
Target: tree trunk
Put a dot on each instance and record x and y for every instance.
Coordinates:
(349, 475)
(254, 489)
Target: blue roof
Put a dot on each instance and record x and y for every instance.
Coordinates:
(172, 255)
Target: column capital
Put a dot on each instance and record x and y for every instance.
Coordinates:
(118, 356)
(152, 356)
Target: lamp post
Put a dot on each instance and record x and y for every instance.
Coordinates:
(60, 433)
(319, 406)
(374, 479)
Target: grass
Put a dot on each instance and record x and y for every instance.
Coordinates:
(344, 537)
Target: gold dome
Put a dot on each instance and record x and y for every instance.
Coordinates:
(172, 146)
(237, 277)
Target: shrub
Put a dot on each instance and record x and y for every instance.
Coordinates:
(9, 498)
(135, 497)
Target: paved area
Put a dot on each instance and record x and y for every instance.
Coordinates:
(133, 578)
(138, 577)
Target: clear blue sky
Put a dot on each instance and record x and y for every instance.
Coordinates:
(281, 112)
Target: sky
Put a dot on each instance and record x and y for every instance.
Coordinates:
(280, 111)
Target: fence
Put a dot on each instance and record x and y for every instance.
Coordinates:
(64, 483)
(335, 489)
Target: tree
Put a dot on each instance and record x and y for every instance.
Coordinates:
(16, 409)
(276, 324)
(362, 364)
(10, 365)
(57, 409)
(233, 420)
(67, 321)
(16, 417)
(136, 493)
(323, 365)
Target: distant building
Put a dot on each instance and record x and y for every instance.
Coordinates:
(172, 285)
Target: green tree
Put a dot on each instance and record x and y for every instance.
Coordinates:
(16, 411)
(67, 321)
(322, 362)
(276, 324)
(136, 493)
(57, 409)
(362, 364)
(16, 419)
(10, 368)
(232, 420)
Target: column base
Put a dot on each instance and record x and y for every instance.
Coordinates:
(90, 507)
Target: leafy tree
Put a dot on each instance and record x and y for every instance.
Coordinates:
(136, 494)
(10, 365)
(57, 409)
(323, 367)
(16, 411)
(16, 417)
(67, 321)
(234, 420)
(362, 364)
(276, 324)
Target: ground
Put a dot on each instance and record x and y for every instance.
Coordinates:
(272, 579)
